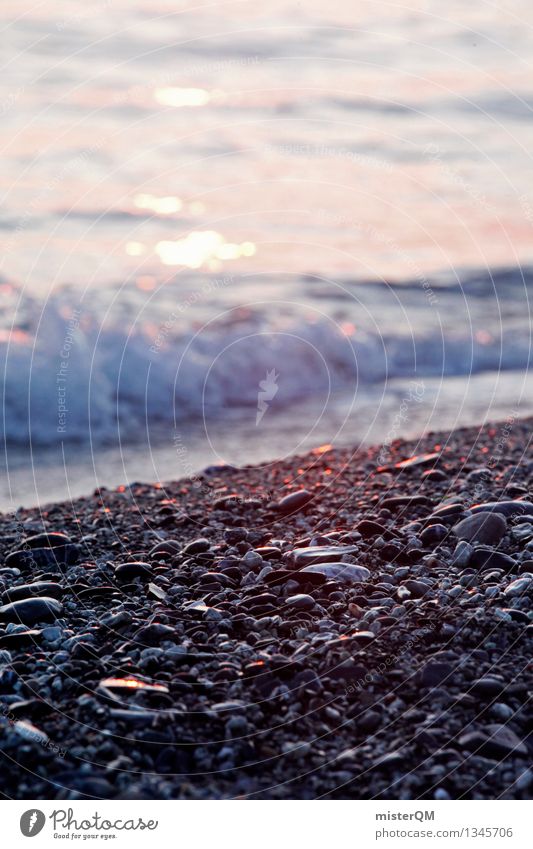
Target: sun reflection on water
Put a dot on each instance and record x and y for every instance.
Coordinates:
(178, 97)
(161, 205)
(200, 247)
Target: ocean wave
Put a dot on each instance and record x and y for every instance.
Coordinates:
(72, 377)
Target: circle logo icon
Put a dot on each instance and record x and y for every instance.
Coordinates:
(32, 822)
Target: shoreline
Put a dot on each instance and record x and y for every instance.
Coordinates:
(177, 619)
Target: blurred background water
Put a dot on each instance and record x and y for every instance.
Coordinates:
(329, 204)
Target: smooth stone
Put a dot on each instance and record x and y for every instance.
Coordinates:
(197, 546)
(494, 742)
(487, 688)
(396, 502)
(507, 508)
(280, 576)
(168, 547)
(483, 527)
(417, 588)
(44, 557)
(343, 572)
(435, 673)
(29, 732)
(29, 611)
(521, 586)
(294, 501)
(447, 511)
(461, 554)
(130, 571)
(482, 558)
(134, 717)
(21, 639)
(434, 534)
(38, 588)
(49, 539)
(361, 638)
(301, 601)
(321, 554)
(123, 686)
(369, 528)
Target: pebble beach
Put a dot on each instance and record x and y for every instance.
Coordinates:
(341, 625)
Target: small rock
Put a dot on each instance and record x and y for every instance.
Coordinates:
(483, 527)
(494, 742)
(197, 546)
(522, 586)
(436, 673)
(418, 589)
(462, 553)
(506, 508)
(38, 588)
(484, 558)
(321, 554)
(487, 688)
(130, 571)
(301, 601)
(29, 611)
(44, 558)
(47, 540)
(434, 534)
(342, 572)
(294, 501)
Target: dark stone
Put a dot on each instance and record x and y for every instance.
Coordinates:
(197, 546)
(44, 558)
(29, 611)
(417, 588)
(494, 742)
(487, 688)
(301, 602)
(488, 528)
(20, 639)
(135, 569)
(342, 572)
(435, 673)
(368, 528)
(47, 540)
(294, 501)
(320, 554)
(38, 588)
(506, 508)
(167, 548)
(397, 502)
(485, 558)
(434, 534)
